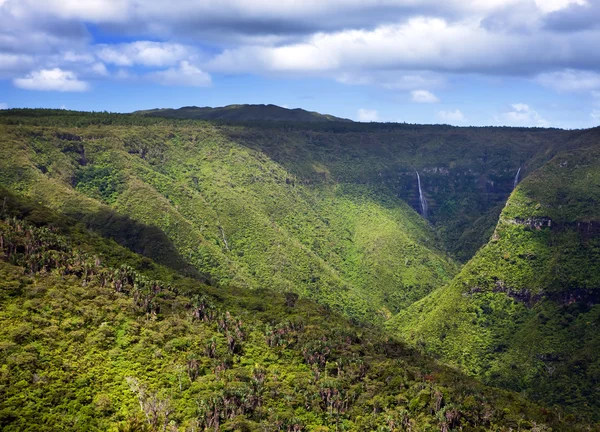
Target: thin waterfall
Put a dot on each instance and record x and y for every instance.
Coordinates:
(517, 178)
(422, 199)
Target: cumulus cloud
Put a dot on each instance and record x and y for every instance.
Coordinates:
(578, 16)
(423, 96)
(367, 115)
(420, 43)
(405, 45)
(452, 117)
(522, 115)
(393, 80)
(185, 74)
(51, 80)
(251, 17)
(145, 53)
(570, 80)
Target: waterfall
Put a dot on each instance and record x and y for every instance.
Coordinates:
(517, 178)
(422, 199)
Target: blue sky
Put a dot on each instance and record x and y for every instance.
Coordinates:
(462, 62)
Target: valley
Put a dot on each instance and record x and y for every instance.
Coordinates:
(441, 278)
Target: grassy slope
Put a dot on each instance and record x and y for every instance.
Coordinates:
(78, 354)
(230, 213)
(524, 313)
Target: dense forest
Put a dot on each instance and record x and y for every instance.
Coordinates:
(233, 274)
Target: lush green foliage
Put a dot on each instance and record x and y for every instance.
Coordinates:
(96, 338)
(467, 173)
(525, 312)
(189, 197)
(281, 209)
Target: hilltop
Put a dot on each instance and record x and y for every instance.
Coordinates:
(242, 113)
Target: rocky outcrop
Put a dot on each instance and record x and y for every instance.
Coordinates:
(519, 295)
(538, 222)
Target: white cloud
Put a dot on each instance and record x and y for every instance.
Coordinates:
(3, 106)
(367, 115)
(185, 74)
(88, 10)
(51, 80)
(99, 68)
(423, 96)
(522, 115)
(570, 80)
(78, 57)
(595, 115)
(452, 117)
(145, 53)
(393, 80)
(547, 6)
(420, 43)
(239, 15)
(406, 45)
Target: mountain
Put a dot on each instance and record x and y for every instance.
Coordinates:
(242, 113)
(524, 313)
(330, 212)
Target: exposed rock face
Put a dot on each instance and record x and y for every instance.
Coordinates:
(518, 295)
(588, 229)
(533, 222)
(589, 297)
(437, 170)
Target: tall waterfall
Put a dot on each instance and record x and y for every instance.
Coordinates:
(517, 178)
(422, 199)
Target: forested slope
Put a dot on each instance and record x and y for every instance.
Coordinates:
(524, 313)
(189, 197)
(330, 212)
(95, 337)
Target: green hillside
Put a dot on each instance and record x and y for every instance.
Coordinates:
(95, 337)
(190, 197)
(524, 313)
(242, 113)
(467, 174)
(324, 215)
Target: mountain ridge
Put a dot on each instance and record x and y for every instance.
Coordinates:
(242, 113)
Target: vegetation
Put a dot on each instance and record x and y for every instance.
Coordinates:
(524, 313)
(243, 113)
(96, 338)
(191, 198)
(170, 273)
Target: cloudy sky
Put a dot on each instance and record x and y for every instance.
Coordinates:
(462, 62)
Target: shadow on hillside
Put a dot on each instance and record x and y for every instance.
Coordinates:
(146, 240)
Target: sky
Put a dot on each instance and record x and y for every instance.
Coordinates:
(460, 62)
